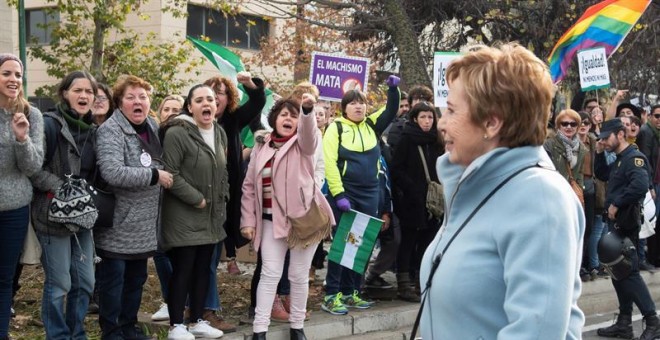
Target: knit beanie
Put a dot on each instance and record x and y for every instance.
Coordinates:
(8, 56)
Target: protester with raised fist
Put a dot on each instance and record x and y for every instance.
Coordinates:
(353, 141)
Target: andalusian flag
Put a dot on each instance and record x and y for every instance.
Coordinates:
(225, 60)
(354, 240)
(604, 24)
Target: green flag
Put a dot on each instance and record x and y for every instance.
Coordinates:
(225, 60)
(229, 64)
(354, 240)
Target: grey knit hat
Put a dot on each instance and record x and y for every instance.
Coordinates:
(8, 56)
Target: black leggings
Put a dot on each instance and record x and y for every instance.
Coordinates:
(190, 272)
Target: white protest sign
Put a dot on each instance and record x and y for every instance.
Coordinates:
(594, 73)
(440, 88)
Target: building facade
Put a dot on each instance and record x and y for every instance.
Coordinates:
(242, 33)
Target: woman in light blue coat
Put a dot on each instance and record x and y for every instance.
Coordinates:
(511, 268)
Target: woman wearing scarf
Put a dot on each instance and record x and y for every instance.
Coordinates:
(565, 149)
(279, 184)
(67, 254)
(418, 227)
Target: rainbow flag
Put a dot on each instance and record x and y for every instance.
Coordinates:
(605, 24)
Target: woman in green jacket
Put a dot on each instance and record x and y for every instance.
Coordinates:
(565, 148)
(194, 208)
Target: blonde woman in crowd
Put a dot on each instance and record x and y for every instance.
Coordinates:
(170, 107)
(21, 156)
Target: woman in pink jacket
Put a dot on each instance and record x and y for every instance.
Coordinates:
(280, 183)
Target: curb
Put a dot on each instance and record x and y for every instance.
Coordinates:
(394, 319)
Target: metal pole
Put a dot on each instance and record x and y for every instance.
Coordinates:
(21, 42)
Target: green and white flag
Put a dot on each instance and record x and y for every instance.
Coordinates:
(229, 64)
(225, 60)
(354, 241)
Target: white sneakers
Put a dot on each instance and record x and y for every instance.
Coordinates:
(179, 332)
(162, 314)
(203, 329)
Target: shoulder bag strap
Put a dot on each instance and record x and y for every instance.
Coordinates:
(438, 258)
(570, 171)
(426, 170)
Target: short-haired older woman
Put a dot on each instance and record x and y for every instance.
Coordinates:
(495, 250)
(21, 155)
(130, 160)
(280, 182)
(67, 252)
(565, 148)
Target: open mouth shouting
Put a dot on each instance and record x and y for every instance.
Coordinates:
(13, 89)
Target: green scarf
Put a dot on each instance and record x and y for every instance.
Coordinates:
(655, 130)
(72, 118)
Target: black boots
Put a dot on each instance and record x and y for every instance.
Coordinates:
(621, 329)
(297, 334)
(259, 336)
(652, 330)
(405, 289)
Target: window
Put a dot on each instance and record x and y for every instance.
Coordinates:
(42, 103)
(39, 25)
(242, 30)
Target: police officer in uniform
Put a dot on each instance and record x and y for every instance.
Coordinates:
(628, 182)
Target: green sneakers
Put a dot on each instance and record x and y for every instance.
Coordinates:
(355, 301)
(333, 304)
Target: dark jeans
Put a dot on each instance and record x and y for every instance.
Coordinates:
(230, 245)
(589, 213)
(190, 267)
(283, 287)
(17, 280)
(633, 289)
(390, 241)
(120, 295)
(164, 271)
(13, 227)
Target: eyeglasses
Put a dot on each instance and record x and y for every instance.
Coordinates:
(591, 107)
(656, 115)
(567, 124)
(586, 123)
(101, 98)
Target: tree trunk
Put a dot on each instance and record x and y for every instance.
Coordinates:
(100, 27)
(300, 65)
(413, 68)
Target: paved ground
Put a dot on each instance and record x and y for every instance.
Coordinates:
(393, 319)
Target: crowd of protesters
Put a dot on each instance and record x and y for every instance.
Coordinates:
(187, 185)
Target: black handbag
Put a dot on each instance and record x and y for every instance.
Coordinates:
(105, 202)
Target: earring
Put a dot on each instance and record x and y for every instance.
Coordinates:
(485, 136)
